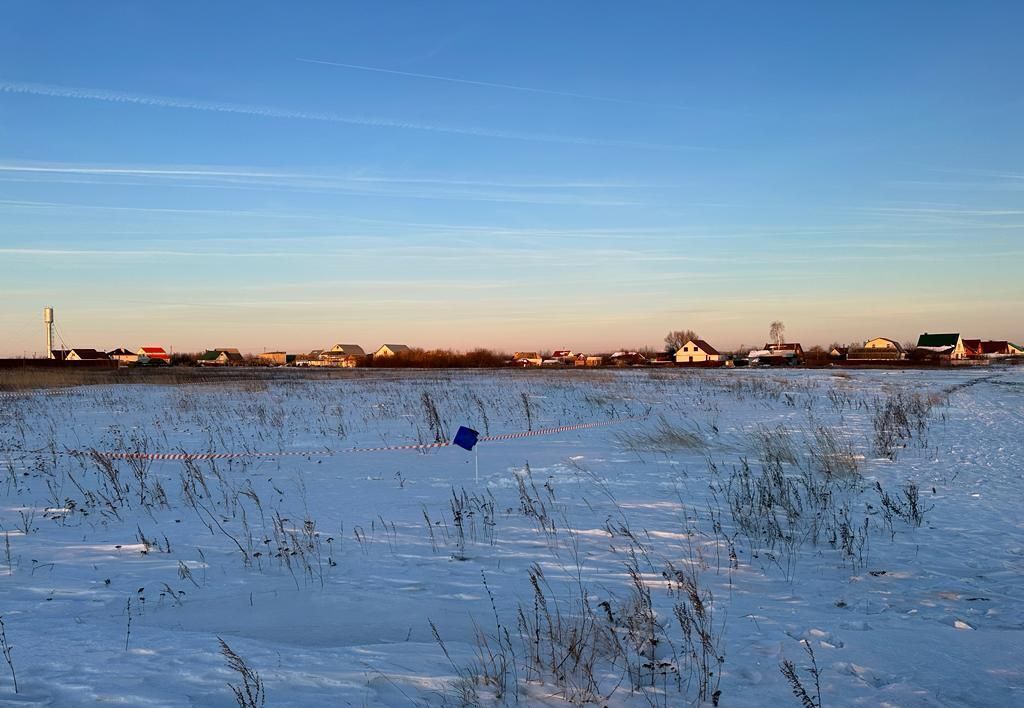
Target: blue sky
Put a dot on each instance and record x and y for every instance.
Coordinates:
(516, 175)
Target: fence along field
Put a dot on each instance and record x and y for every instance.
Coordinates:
(744, 539)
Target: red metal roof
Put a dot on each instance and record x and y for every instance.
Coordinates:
(155, 352)
(972, 347)
(995, 347)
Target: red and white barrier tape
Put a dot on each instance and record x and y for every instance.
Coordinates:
(548, 431)
(28, 394)
(328, 453)
(195, 455)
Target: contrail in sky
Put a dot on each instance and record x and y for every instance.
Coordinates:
(108, 96)
(491, 84)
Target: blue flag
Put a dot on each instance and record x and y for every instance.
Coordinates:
(466, 437)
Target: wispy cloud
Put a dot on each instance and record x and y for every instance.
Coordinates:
(26, 204)
(119, 97)
(492, 84)
(929, 211)
(205, 172)
(569, 192)
(111, 253)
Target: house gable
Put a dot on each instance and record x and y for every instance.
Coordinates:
(347, 349)
(883, 343)
(696, 351)
(391, 349)
(154, 353)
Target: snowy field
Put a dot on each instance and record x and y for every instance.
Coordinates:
(724, 523)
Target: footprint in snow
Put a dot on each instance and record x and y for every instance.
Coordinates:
(856, 626)
(818, 637)
(872, 678)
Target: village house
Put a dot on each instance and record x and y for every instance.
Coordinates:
(839, 352)
(345, 356)
(390, 350)
(624, 358)
(225, 356)
(587, 360)
(80, 354)
(940, 346)
(526, 359)
(785, 354)
(152, 355)
(996, 349)
(124, 357)
(697, 351)
(276, 358)
(883, 343)
(311, 359)
(879, 348)
(787, 348)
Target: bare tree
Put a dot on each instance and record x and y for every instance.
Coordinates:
(677, 338)
(777, 332)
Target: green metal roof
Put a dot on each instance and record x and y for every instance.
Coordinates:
(938, 340)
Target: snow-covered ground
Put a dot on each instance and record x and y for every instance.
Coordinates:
(728, 522)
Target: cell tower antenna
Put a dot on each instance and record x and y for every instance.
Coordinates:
(48, 323)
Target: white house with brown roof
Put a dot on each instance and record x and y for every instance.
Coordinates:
(390, 350)
(697, 351)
